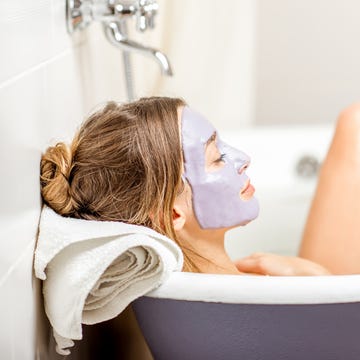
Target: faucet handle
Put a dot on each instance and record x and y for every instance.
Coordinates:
(145, 14)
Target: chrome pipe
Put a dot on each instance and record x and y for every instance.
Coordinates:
(118, 39)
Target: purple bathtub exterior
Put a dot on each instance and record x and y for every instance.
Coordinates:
(196, 330)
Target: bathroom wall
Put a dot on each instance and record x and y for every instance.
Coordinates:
(48, 82)
(307, 58)
(258, 61)
(211, 47)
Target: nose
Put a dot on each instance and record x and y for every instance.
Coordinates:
(243, 167)
(241, 160)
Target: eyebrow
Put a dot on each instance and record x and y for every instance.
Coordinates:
(211, 139)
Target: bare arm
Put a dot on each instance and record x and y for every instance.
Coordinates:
(277, 265)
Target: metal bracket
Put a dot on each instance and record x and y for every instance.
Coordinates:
(80, 13)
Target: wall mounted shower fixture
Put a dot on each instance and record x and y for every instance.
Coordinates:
(80, 13)
(113, 14)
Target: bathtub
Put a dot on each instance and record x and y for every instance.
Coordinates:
(226, 317)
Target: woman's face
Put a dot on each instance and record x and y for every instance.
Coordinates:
(222, 195)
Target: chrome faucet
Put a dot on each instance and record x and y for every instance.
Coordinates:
(80, 13)
(113, 15)
(115, 35)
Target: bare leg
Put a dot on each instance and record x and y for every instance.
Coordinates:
(332, 232)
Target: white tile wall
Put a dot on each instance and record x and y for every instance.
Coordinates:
(18, 333)
(25, 35)
(48, 82)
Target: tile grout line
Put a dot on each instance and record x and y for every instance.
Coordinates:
(15, 78)
(15, 264)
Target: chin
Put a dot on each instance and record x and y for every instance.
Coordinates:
(243, 223)
(247, 221)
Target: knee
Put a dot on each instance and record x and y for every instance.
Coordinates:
(349, 119)
(346, 140)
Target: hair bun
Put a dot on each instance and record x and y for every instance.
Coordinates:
(55, 168)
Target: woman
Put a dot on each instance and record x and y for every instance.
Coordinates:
(156, 162)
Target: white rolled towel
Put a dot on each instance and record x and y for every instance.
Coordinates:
(93, 269)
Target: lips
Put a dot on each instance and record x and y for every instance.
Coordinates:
(247, 191)
(246, 187)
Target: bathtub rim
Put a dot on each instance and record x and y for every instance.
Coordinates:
(247, 289)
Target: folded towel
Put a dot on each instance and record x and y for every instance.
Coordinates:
(93, 269)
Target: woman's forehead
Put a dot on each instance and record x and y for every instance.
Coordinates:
(195, 127)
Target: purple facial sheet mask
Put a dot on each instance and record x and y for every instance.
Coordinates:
(216, 194)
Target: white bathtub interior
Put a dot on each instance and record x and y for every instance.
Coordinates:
(284, 196)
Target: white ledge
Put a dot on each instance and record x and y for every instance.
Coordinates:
(247, 289)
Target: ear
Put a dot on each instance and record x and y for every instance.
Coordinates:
(178, 217)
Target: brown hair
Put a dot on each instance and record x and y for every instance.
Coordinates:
(124, 164)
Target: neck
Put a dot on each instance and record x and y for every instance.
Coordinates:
(208, 251)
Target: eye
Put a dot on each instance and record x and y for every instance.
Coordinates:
(221, 158)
